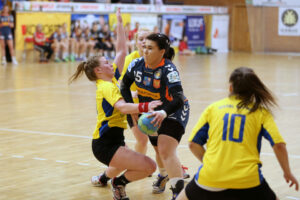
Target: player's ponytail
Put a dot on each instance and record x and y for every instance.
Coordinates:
(87, 67)
(250, 90)
(163, 42)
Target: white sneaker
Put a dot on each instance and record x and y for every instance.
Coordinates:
(14, 61)
(3, 62)
(96, 181)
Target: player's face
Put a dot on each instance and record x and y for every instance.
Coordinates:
(152, 53)
(141, 41)
(106, 68)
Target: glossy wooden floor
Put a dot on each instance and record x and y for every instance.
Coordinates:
(46, 125)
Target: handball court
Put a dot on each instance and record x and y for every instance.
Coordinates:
(46, 125)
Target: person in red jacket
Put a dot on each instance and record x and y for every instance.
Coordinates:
(183, 47)
(40, 44)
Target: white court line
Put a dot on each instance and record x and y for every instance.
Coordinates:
(17, 156)
(61, 161)
(84, 164)
(37, 158)
(87, 137)
(290, 197)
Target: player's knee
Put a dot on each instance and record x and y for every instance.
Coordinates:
(164, 153)
(151, 168)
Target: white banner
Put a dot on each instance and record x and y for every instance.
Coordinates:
(111, 8)
(276, 3)
(145, 20)
(289, 21)
(219, 33)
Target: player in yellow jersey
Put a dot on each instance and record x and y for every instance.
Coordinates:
(140, 40)
(232, 130)
(108, 140)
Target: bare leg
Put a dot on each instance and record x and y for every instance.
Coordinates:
(141, 140)
(182, 196)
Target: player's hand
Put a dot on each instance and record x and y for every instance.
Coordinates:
(134, 94)
(153, 104)
(118, 13)
(158, 117)
(291, 180)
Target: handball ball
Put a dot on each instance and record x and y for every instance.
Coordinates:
(145, 125)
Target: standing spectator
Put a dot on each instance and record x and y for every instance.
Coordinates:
(40, 44)
(6, 24)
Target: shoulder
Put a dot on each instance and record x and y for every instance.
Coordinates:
(135, 63)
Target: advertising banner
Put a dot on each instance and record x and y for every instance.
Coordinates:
(113, 20)
(289, 21)
(26, 23)
(149, 21)
(195, 31)
(87, 20)
(219, 32)
(173, 27)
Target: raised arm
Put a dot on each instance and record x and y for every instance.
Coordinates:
(121, 43)
(282, 157)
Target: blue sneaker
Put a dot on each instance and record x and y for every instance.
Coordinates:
(159, 185)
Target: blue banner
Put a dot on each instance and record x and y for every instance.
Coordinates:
(195, 31)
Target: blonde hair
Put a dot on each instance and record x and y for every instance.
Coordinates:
(140, 30)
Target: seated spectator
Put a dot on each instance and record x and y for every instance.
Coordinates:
(41, 45)
(183, 47)
(108, 42)
(90, 42)
(59, 45)
(97, 36)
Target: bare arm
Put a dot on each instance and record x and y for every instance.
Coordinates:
(132, 108)
(197, 150)
(121, 43)
(282, 157)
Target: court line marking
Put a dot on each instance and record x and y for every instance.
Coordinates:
(290, 197)
(87, 164)
(88, 137)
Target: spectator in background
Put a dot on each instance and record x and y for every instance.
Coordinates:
(108, 42)
(40, 44)
(183, 47)
(90, 42)
(6, 24)
(59, 46)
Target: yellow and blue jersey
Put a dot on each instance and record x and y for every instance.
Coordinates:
(107, 94)
(6, 20)
(233, 140)
(129, 58)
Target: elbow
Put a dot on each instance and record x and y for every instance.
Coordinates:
(192, 146)
(279, 147)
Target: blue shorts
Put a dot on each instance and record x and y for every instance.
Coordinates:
(5, 33)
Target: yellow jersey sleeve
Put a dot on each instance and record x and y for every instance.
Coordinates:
(270, 130)
(129, 58)
(111, 93)
(199, 133)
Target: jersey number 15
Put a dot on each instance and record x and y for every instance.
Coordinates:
(231, 127)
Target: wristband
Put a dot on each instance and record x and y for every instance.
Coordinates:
(143, 107)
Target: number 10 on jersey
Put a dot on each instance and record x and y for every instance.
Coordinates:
(233, 123)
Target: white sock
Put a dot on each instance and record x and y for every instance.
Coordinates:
(173, 181)
(163, 172)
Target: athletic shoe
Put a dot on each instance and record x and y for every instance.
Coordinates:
(14, 61)
(178, 187)
(3, 61)
(57, 60)
(66, 59)
(185, 174)
(159, 185)
(118, 191)
(96, 181)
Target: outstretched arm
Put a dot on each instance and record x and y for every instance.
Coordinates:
(121, 43)
(132, 108)
(282, 157)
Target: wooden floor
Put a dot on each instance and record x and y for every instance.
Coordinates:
(46, 125)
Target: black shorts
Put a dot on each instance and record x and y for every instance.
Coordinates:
(5, 33)
(170, 128)
(261, 192)
(105, 147)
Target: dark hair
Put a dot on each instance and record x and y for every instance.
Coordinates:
(87, 67)
(251, 90)
(163, 42)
